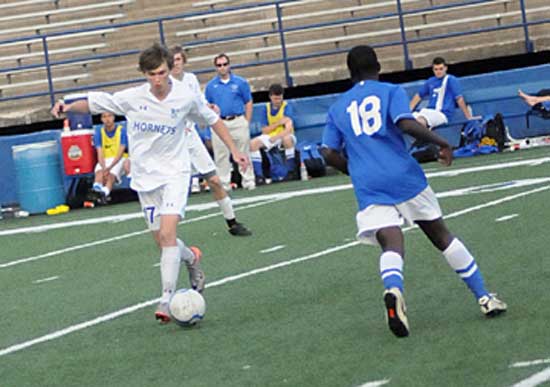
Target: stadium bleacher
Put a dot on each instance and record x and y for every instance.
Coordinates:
(249, 34)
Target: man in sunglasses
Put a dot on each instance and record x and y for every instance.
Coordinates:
(230, 95)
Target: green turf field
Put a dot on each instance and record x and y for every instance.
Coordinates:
(77, 300)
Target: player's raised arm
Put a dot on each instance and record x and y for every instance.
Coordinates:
(80, 106)
(413, 128)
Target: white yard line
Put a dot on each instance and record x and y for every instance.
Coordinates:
(507, 217)
(45, 280)
(195, 207)
(272, 249)
(108, 240)
(266, 199)
(535, 379)
(530, 363)
(236, 202)
(376, 383)
(229, 279)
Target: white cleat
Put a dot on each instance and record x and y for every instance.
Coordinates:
(396, 312)
(491, 306)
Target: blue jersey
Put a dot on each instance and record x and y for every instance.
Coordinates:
(443, 93)
(230, 96)
(364, 119)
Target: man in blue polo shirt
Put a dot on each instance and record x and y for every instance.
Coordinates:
(230, 95)
(444, 92)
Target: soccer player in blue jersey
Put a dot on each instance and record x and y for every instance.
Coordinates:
(390, 187)
(444, 94)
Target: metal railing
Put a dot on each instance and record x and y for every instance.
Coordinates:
(280, 31)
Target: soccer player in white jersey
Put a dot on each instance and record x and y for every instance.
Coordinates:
(157, 113)
(389, 185)
(200, 158)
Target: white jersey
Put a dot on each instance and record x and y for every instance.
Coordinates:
(190, 80)
(156, 129)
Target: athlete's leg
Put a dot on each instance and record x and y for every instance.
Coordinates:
(456, 254)
(289, 143)
(391, 271)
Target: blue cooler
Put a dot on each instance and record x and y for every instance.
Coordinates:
(38, 176)
(78, 120)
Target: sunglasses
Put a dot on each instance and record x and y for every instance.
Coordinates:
(222, 64)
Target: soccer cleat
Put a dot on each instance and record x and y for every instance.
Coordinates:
(162, 314)
(239, 229)
(196, 275)
(491, 306)
(396, 312)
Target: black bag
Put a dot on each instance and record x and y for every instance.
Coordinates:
(312, 159)
(495, 129)
(79, 191)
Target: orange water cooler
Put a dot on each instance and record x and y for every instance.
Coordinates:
(79, 155)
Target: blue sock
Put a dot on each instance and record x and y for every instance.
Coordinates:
(391, 270)
(256, 158)
(464, 264)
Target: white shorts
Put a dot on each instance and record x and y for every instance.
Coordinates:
(265, 139)
(201, 161)
(117, 169)
(168, 199)
(423, 206)
(432, 116)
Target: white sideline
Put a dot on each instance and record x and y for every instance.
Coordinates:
(195, 207)
(275, 197)
(530, 363)
(535, 379)
(113, 239)
(133, 308)
(200, 207)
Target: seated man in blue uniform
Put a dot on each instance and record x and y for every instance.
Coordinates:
(444, 93)
(390, 187)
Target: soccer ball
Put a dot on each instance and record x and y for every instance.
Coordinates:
(187, 307)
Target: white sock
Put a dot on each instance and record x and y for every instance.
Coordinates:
(290, 152)
(169, 271)
(457, 255)
(185, 253)
(391, 270)
(227, 208)
(105, 190)
(256, 156)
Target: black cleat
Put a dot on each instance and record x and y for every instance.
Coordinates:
(239, 229)
(396, 312)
